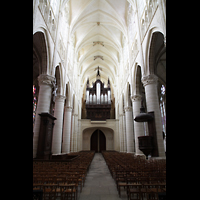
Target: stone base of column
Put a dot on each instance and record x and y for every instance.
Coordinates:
(131, 153)
(157, 158)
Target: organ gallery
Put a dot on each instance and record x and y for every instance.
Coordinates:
(98, 99)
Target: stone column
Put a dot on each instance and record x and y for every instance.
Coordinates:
(72, 134)
(44, 100)
(121, 132)
(129, 130)
(138, 126)
(79, 145)
(67, 130)
(75, 132)
(124, 133)
(150, 84)
(116, 136)
(57, 131)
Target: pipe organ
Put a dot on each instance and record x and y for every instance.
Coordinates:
(98, 100)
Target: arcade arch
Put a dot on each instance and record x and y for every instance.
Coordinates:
(87, 137)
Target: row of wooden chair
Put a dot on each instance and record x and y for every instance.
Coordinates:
(61, 180)
(139, 177)
(55, 191)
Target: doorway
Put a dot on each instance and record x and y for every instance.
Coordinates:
(98, 141)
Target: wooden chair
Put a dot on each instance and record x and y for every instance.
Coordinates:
(120, 181)
(134, 191)
(151, 190)
(38, 179)
(37, 186)
(37, 194)
(47, 191)
(73, 180)
(60, 179)
(68, 191)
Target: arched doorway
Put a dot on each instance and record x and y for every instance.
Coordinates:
(98, 141)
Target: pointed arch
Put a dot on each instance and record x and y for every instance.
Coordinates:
(127, 95)
(44, 47)
(40, 49)
(157, 42)
(138, 80)
(58, 78)
(68, 95)
(98, 141)
(149, 53)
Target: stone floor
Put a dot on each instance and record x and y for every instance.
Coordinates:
(99, 184)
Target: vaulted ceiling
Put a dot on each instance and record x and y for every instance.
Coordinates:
(98, 26)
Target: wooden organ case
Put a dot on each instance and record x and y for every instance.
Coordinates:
(98, 100)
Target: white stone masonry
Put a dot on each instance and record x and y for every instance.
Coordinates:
(43, 105)
(121, 132)
(67, 130)
(124, 133)
(129, 130)
(57, 131)
(138, 126)
(150, 84)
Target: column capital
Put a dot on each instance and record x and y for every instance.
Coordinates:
(136, 97)
(45, 79)
(122, 114)
(128, 109)
(150, 79)
(60, 98)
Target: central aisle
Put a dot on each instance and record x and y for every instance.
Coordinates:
(99, 184)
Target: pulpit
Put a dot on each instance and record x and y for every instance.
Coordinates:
(148, 143)
(45, 136)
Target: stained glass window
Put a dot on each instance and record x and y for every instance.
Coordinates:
(34, 103)
(163, 112)
(162, 108)
(163, 90)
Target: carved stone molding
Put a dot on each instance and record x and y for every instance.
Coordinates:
(136, 97)
(68, 108)
(150, 79)
(101, 57)
(98, 42)
(128, 109)
(60, 98)
(45, 79)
